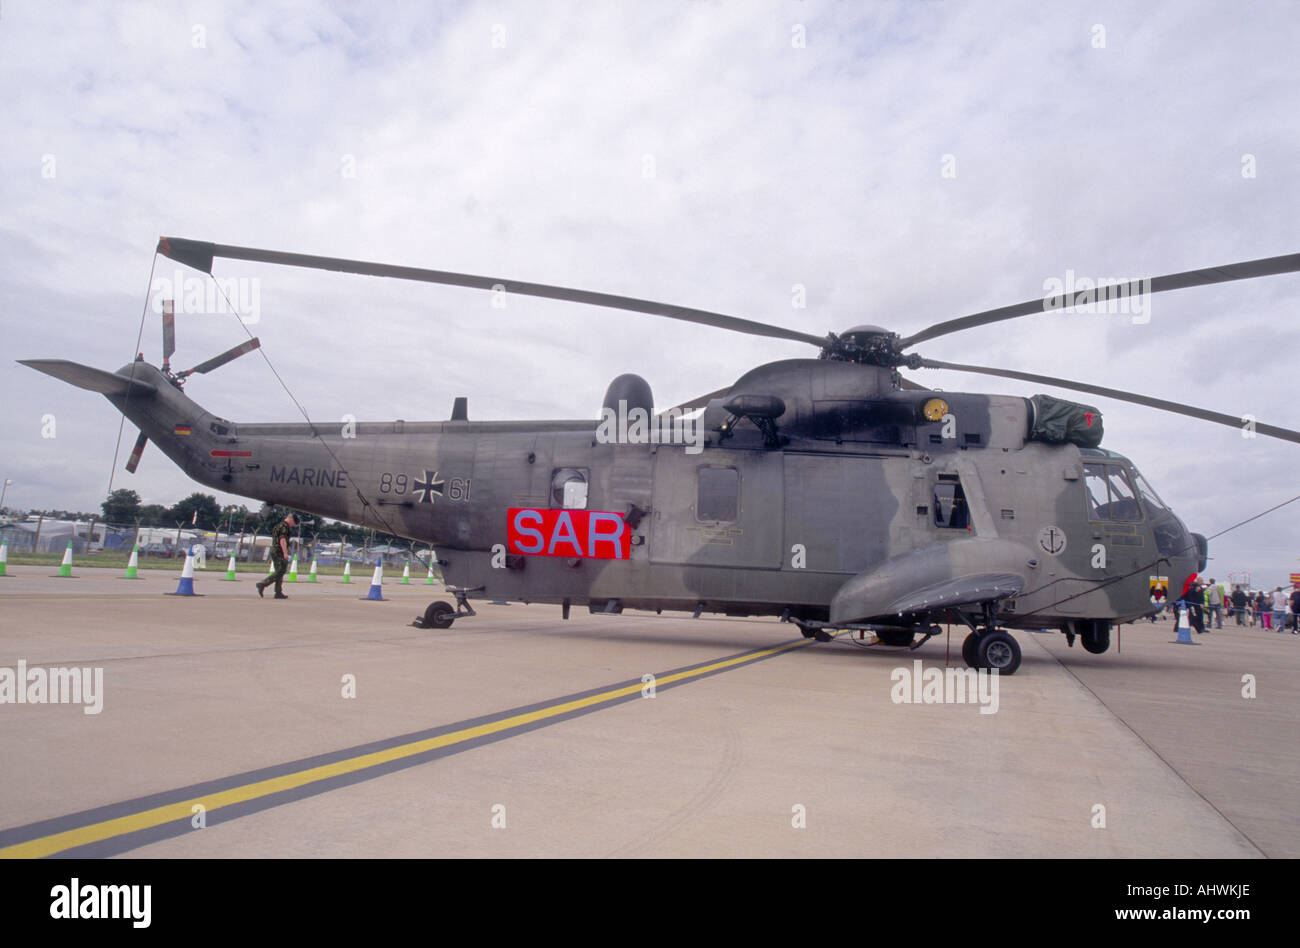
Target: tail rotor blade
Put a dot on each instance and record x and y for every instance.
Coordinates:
(134, 460)
(169, 329)
(228, 356)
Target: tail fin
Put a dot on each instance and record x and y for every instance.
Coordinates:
(94, 380)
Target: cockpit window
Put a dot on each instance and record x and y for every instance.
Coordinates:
(1149, 494)
(1110, 494)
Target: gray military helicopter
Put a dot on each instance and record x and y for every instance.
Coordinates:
(829, 491)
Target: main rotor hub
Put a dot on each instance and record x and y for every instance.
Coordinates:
(868, 345)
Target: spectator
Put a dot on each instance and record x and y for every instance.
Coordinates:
(1279, 609)
(1193, 599)
(1295, 611)
(1238, 604)
(1214, 599)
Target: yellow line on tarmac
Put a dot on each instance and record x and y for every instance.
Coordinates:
(145, 819)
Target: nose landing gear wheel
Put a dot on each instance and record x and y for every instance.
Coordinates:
(998, 651)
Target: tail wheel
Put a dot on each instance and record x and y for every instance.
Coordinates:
(998, 651)
(439, 615)
(900, 637)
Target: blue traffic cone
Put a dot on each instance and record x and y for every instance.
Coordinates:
(1184, 630)
(376, 584)
(186, 586)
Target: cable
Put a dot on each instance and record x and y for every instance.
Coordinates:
(365, 502)
(121, 422)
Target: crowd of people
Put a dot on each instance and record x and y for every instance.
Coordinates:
(1207, 603)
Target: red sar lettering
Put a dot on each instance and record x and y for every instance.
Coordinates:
(590, 534)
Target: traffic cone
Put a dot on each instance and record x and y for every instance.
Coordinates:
(1184, 630)
(429, 580)
(376, 584)
(230, 571)
(65, 568)
(4, 558)
(406, 575)
(186, 586)
(270, 568)
(293, 571)
(347, 572)
(133, 564)
(312, 577)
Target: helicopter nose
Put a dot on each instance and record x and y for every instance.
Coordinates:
(1202, 551)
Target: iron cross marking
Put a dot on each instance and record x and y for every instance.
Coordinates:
(428, 487)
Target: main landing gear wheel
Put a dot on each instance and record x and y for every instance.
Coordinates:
(998, 651)
(968, 648)
(439, 615)
(1096, 636)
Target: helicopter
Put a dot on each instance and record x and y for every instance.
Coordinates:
(830, 492)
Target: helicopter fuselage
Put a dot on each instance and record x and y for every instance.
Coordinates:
(855, 503)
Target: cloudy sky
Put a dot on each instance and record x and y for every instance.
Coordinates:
(906, 163)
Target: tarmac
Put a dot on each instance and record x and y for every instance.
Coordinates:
(327, 726)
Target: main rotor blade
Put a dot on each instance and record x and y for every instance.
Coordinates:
(229, 355)
(1232, 421)
(199, 254)
(1249, 270)
(134, 460)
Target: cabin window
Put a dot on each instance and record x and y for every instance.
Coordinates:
(569, 488)
(1110, 494)
(719, 496)
(950, 508)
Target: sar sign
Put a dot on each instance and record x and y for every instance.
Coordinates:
(590, 534)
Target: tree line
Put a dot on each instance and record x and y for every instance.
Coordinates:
(202, 512)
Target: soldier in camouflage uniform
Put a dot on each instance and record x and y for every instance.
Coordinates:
(279, 556)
